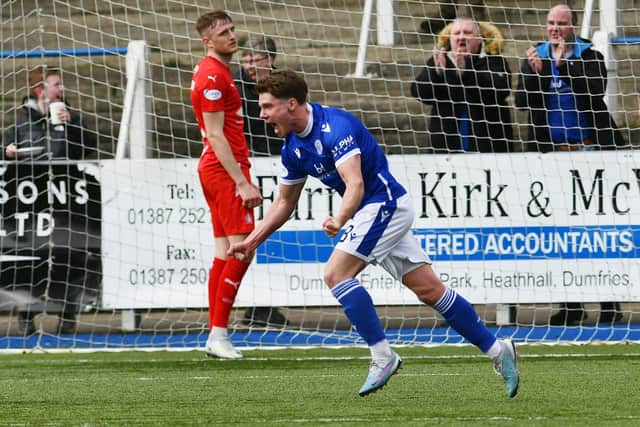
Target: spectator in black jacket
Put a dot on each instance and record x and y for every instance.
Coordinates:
(257, 62)
(562, 84)
(36, 135)
(468, 89)
(258, 59)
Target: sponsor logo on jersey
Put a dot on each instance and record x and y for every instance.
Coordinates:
(384, 214)
(212, 94)
(325, 128)
(342, 144)
(319, 167)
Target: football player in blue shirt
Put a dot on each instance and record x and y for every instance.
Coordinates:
(335, 147)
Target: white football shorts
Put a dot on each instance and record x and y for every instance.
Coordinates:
(380, 233)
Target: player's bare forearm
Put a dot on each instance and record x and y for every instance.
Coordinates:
(351, 173)
(281, 209)
(277, 214)
(350, 201)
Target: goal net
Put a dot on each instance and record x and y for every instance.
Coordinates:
(113, 249)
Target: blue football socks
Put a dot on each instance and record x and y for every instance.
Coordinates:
(463, 318)
(358, 306)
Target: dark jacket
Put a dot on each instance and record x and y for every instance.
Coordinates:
(483, 89)
(33, 129)
(587, 76)
(261, 138)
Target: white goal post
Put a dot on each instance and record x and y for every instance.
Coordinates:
(134, 134)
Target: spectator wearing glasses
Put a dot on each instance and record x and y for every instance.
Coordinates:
(257, 62)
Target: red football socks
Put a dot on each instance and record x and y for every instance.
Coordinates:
(214, 278)
(228, 285)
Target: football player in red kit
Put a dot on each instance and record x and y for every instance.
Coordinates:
(224, 171)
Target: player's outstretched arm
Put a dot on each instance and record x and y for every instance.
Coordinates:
(277, 214)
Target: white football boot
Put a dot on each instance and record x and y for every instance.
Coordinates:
(221, 348)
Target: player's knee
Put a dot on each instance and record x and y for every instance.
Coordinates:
(430, 295)
(333, 278)
(426, 285)
(329, 279)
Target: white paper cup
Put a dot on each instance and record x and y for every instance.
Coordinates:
(54, 110)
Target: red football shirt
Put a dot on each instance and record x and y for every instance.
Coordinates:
(212, 90)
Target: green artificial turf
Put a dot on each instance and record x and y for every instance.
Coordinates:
(561, 385)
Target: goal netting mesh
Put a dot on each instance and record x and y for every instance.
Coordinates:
(113, 251)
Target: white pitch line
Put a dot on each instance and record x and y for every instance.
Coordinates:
(271, 377)
(286, 421)
(203, 359)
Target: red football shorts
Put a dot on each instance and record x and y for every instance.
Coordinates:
(228, 215)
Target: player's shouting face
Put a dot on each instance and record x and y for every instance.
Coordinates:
(277, 112)
(283, 102)
(221, 37)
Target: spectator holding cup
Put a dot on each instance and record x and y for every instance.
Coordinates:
(45, 126)
(58, 113)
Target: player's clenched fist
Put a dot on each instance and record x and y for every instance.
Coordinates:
(240, 251)
(331, 226)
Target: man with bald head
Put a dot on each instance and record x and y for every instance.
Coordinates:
(562, 84)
